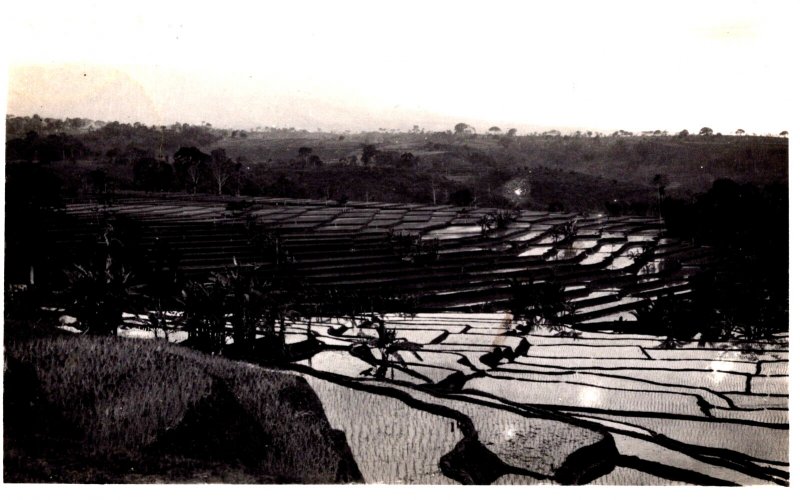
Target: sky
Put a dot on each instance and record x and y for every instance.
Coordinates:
(349, 65)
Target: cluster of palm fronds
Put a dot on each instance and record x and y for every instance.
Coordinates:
(102, 289)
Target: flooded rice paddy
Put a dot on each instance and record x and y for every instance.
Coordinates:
(659, 405)
(391, 442)
(720, 398)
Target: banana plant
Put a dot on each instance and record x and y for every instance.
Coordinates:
(389, 346)
(99, 294)
(101, 289)
(204, 315)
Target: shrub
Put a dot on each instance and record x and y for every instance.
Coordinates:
(668, 316)
(541, 303)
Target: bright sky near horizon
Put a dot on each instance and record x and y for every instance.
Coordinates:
(360, 66)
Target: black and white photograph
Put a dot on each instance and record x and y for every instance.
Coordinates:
(397, 243)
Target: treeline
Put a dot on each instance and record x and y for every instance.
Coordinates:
(72, 139)
(19, 126)
(46, 148)
(744, 291)
(577, 172)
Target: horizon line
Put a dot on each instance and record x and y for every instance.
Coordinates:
(521, 130)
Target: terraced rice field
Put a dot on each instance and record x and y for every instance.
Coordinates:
(690, 415)
(714, 414)
(678, 416)
(461, 265)
(391, 442)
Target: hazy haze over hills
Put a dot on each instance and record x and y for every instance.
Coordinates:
(359, 66)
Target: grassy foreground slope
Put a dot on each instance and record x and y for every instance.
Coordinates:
(89, 409)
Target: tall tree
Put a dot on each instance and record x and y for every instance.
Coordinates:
(304, 153)
(368, 151)
(222, 168)
(190, 164)
(462, 128)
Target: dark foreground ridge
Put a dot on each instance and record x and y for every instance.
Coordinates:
(95, 410)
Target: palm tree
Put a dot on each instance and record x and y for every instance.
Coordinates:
(660, 182)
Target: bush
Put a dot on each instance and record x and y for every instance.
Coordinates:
(461, 197)
(541, 303)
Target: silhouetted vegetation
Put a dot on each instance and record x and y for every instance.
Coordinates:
(670, 317)
(654, 173)
(745, 291)
(389, 346)
(541, 304)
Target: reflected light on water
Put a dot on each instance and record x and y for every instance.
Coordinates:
(590, 396)
(719, 368)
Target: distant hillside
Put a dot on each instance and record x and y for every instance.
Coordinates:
(579, 172)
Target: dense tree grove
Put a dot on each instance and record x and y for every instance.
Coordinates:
(45, 149)
(72, 139)
(746, 289)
